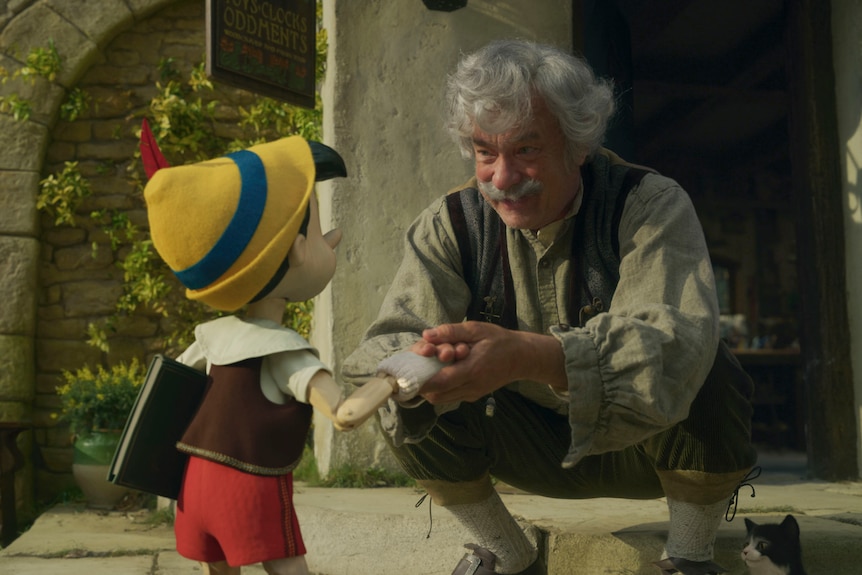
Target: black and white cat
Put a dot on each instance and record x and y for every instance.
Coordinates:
(773, 548)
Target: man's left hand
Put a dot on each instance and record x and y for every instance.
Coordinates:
(487, 357)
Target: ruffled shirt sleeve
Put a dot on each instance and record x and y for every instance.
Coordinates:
(289, 360)
(634, 371)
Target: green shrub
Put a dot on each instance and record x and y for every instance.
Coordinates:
(349, 476)
(99, 400)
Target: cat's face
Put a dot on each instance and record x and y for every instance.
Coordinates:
(771, 549)
(754, 546)
(755, 555)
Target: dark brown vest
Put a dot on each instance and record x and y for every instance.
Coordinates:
(236, 425)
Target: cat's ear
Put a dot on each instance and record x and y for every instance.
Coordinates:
(749, 525)
(789, 525)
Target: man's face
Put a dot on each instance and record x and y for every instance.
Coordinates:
(523, 173)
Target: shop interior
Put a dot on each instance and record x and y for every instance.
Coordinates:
(703, 94)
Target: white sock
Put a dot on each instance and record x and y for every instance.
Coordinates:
(497, 531)
(693, 529)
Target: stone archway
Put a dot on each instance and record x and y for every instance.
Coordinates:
(80, 32)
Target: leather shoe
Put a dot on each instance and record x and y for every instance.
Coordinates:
(481, 562)
(687, 567)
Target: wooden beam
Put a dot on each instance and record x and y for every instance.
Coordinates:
(817, 195)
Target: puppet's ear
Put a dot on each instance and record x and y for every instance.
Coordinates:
(151, 156)
(298, 251)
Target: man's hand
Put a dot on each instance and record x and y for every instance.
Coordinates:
(487, 357)
(445, 352)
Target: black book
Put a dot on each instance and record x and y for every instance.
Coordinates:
(147, 458)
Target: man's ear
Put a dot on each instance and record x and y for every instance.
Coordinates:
(298, 251)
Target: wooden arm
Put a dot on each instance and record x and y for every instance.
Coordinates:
(363, 402)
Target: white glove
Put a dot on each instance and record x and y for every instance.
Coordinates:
(411, 371)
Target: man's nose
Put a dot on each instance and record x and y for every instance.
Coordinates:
(506, 173)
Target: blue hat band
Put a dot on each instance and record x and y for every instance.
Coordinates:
(240, 229)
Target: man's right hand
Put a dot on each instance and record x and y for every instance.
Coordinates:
(487, 357)
(445, 352)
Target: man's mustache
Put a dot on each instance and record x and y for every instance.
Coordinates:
(520, 190)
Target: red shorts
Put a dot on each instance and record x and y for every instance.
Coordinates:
(227, 515)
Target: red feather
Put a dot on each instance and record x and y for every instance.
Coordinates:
(151, 156)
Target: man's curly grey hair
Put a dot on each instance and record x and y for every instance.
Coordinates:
(494, 88)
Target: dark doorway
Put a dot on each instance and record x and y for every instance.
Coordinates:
(706, 94)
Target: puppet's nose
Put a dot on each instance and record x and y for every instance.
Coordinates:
(332, 237)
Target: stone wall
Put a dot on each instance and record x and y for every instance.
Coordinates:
(847, 48)
(54, 283)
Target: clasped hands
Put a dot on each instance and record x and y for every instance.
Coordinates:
(477, 358)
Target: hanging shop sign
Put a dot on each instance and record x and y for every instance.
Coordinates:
(264, 46)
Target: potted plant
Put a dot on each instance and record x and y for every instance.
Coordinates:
(95, 405)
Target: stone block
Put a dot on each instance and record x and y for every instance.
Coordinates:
(49, 312)
(124, 348)
(139, 218)
(19, 265)
(74, 328)
(140, 42)
(110, 129)
(120, 59)
(42, 95)
(57, 437)
(114, 185)
(46, 411)
(189, 51)
(86, 298)
(78, 131)
(119, 150)
(82, 257)
(99, 25)
(16, 368)
(15, 411)
(107, 202)
(53, 355)
(136, 327)
(59, 152)
(146, 8)
(57, 459)
(182, 37)
(177, 12)
(18, 215)
(64, 236)
(50, 275)
(113, 103)
(46, 388)
(22, 144)
(124, 76)
(76, 51)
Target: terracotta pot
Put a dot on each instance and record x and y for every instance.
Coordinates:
(92, 459)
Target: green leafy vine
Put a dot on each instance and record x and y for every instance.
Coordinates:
(182, 117)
